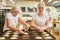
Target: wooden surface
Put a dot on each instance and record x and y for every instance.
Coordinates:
(55, 34)
(57, 22)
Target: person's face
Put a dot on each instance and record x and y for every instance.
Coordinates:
(40, 8)
(15, 12)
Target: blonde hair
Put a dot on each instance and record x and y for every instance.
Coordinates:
(13, 8)
(41, 4)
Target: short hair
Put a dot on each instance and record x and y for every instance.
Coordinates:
(13, 8)
(41, 4)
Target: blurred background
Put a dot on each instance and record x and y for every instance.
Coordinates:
(28, 8)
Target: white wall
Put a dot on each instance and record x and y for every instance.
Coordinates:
(32, 4)
(26, 4)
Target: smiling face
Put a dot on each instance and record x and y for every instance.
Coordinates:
(40, 8)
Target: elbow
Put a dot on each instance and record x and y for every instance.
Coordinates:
(8, 26)
(30, 24)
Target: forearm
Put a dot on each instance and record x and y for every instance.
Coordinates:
(46, 24)
(45, 27)
(13, 28)
(24, 23)
(34, 25)
(21, 21)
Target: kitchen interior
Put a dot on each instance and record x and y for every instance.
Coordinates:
(27, 8)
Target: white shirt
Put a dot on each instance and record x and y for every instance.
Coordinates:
(40, 21)
(14, 20)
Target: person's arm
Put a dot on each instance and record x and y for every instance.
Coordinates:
(24, 23)
(46, 23)
(11, 27)
(35, 26)
(33, 23)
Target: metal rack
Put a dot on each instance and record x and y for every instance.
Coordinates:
(2, 19)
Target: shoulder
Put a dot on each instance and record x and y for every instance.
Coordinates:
(34, 16)
(46, 15)
(18, 15)
(8, 14)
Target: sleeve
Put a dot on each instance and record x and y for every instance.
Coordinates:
(8, 16)
(34, 16)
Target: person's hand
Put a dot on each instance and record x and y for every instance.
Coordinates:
(20, 31)
(38, 29)
(45, 28)
(27, 27)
